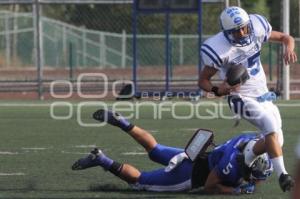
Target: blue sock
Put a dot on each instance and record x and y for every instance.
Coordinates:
(125, 125)
(104, 162)
(109, 165)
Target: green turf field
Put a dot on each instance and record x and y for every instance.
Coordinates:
(36, 151)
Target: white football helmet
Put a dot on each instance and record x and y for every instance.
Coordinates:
(232, 19)
(261, 168)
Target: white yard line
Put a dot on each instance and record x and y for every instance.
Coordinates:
(251, 131)
(134, 153)
(75, 153)
(8, 153)
(23, 105)
(153, 131)
(86, 146)
(12, 174)
(189, 129)
(34, 148)
(288, 105)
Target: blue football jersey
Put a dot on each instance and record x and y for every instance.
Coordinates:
(223, 160)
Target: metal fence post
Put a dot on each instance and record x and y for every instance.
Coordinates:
(64, 42)
(37, 46)
(123, 64)
(286, 68)
(102, 49)
(71, 65)
(84, 49)
(181, 46)
(7, 40)
(270, 62)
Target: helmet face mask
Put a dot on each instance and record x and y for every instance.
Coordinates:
(236, 26)
(261, 168)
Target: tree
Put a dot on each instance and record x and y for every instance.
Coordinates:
(295, 21)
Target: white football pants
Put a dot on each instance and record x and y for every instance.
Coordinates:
(264, 115)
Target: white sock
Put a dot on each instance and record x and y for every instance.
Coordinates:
(278, 165)
(249, 154)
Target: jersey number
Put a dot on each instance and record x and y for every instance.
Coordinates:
(226, 171)
(253, 63)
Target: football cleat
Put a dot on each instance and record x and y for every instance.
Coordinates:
(88, 161)
(286, 182)
(112, 118)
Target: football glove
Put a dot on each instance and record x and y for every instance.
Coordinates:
(247, 188)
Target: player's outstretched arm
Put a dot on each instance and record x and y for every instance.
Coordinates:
(213, 185)
(290, 55)
(205, 76)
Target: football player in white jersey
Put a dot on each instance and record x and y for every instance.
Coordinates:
(240, 42)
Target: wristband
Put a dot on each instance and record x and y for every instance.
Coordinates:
(215, 90)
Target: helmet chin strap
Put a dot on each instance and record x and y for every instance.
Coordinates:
(244, 41)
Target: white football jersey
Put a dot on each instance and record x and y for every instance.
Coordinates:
(217, 51)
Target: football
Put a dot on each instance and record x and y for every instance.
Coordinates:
(236, 74)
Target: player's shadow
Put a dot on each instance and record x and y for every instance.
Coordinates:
(106, 188)
(101, 188)
(141, 194)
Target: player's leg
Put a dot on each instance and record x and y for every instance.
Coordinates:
(178, 179)
(125, 172)
(269, 121)
(129, 173)
(258, 115)
(142, 136)
(271, 145)
(275, 111)
(157, 152)
(266, 117)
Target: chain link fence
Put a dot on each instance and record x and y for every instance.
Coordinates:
(96, 36)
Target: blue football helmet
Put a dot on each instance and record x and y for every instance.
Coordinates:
(232, 19)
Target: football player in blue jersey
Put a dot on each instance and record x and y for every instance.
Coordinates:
(240, 43)
(221, 171)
